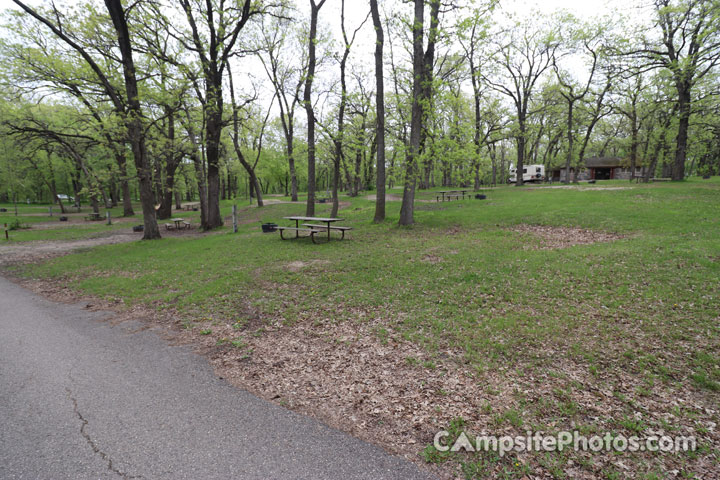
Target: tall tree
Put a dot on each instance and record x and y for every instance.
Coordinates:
(632, 93)
(473, 31)
(134, 116)
(522, 60)
(287, 79)
(129, 106)
(31, 63)
(689, 48)
(338, 138)
(595, 112)
(250, 169)
(569, 90)
(423, 61)
(307, 101)
(380, 114)
(214, 41)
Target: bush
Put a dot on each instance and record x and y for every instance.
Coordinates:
(17, 225)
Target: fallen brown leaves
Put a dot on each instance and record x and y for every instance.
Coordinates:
(546, 237)
(360, 375)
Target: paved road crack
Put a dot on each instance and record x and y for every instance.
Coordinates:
(92, 443)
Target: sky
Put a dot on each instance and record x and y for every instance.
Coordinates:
(356, 11)
(358, 8)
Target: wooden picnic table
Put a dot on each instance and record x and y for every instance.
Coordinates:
(190, 206)
(451, 193)
(313, 230)
(92, 216)
(177, 221)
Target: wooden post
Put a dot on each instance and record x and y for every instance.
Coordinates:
(7, 237)
(109, 220)
(235, 218)
(50, 209)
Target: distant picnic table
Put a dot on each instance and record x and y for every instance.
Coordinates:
(92, 216)
(190, 206)
(314, 228)
(177, 221)
(452, 193)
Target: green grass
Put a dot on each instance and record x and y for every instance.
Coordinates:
(645, 306)
(31, 216)
(481, 291)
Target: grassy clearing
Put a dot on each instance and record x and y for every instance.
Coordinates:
(636, 318)
(37, 224)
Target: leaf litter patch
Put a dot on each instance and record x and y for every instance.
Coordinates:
(363, 377)
(546, 237)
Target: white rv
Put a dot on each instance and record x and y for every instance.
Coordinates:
(531, 173)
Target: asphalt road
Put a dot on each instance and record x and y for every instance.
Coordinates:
(81, 398)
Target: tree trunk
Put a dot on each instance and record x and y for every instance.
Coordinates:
(125, 188)
(196, 157)
(420, 77)
(493, 160)
(307, 100)
(293, 175)
(95, 204)
(380, 114)
(202, 191)
(502, 163)
(633, 144)
(338, 139)
(678, 172)
(213, 131)
(134, 120)
(172, 161)
(521, 152)
(570, 138)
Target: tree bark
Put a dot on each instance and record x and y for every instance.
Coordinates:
(422, 84)
(522, 138)
(134, 120)
(132, 113)
(678, 171)
(307, 100)
(254, 184)
(124, 184)
(380, 115)
(213, 131)
(570, 139)
(172, 160)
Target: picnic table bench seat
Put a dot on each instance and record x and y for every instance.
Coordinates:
(186, 224)
(451, 194)
(324, 228)
(312, 231)
(169, 226)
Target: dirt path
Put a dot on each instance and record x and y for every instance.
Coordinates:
(25, 252)
(396, 198)
(388, 197)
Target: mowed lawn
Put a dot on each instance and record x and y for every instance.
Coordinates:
(616, 329)
(34, 223)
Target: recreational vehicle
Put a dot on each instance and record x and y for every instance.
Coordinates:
(531, 173)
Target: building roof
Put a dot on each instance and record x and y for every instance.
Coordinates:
(605, 162)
